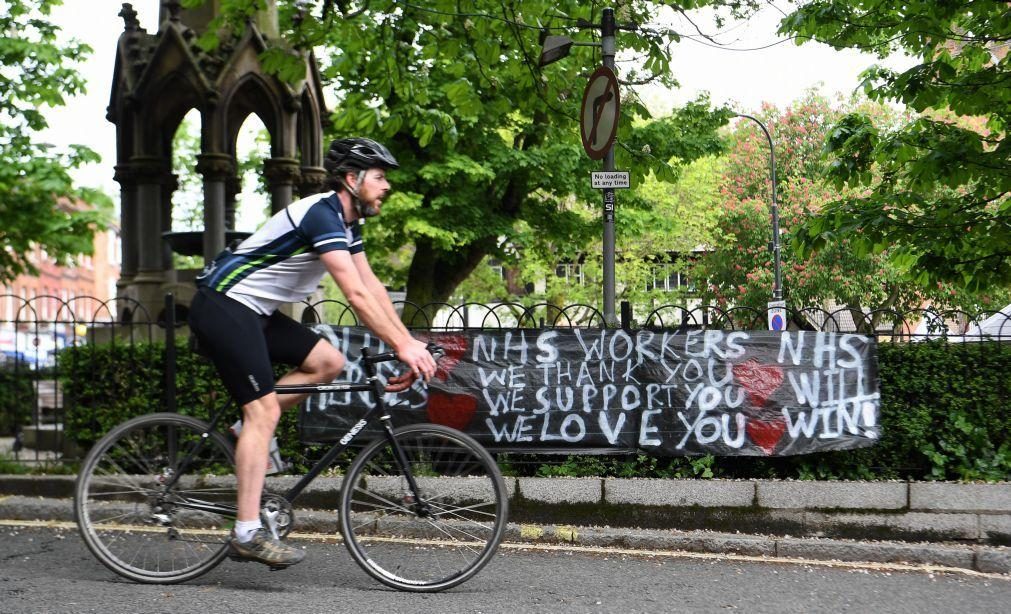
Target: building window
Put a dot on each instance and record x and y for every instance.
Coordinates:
(570, 272)
(666, 278)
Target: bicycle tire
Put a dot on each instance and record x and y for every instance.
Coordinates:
(469, 507)
(131, 525)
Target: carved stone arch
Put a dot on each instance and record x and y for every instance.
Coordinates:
(251, 94)
(170, 84)
(158, 126)
(158, 78)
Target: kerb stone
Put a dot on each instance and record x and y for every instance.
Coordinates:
(961, 497)
(995, 528)
(680, 493)
(993, 560)
(876, 552)
(829, 495)
(910, 525)
(36, 508)
(560, 490)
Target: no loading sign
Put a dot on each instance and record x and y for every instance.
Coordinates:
(598, 117)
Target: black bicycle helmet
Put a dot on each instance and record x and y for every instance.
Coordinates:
(357, 154)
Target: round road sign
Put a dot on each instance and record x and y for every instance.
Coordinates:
(598, 116)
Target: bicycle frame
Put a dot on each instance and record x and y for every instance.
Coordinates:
(378, 412)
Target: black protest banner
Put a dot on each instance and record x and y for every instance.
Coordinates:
(718, 392)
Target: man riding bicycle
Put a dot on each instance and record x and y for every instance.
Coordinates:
(235, 317)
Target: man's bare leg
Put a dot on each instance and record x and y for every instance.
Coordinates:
(323, 364)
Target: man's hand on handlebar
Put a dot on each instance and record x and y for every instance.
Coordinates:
(401, 382)
(419, 364)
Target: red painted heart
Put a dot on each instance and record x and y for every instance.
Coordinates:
(760, 381)
(455, 346)
(453, 410)
(766, 435)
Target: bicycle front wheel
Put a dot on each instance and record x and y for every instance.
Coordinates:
(445, 536)
(152, 498)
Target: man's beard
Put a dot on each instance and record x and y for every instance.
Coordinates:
(367, 209)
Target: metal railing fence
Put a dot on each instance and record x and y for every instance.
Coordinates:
(36, 333)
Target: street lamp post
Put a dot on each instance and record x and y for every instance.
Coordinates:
(777, 287)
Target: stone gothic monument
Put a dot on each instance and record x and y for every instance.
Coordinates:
(158, 78)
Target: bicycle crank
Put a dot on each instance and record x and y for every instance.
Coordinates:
(276, 515)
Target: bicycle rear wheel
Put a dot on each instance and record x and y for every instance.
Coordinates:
(132, 523)
(440, 541)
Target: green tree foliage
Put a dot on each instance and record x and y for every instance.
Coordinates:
(933, 192)
(739, 268)
(488, 140)
(35, 73)
(652, 243)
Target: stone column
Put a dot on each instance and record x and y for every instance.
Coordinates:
(312, 180)
(281, 174)
(145, 286)
(216, 169)
(127, 179)
(151, 172)
(233, 185)
(169, 184)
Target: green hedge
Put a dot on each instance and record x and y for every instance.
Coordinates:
(944, 416)
(16, 398)
(107, 384)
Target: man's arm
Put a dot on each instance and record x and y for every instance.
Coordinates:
(377, 289)
(372, 312)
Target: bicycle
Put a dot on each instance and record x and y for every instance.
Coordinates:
(422, 507)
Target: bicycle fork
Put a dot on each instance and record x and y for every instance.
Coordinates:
(419, 505)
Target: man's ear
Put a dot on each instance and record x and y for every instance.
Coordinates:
(351, 180)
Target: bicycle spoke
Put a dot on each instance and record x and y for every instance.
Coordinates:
(133, 507)
(452, 529)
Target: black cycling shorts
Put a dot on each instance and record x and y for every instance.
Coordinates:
(243, 344)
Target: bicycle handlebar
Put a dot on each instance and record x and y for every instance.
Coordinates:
(436, 350)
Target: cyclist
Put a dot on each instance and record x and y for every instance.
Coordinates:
(236, 321)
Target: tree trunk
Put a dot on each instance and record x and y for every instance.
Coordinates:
(434, 275)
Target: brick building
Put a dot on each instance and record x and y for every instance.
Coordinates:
(39, 311)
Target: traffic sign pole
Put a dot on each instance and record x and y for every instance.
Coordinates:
(607, 52)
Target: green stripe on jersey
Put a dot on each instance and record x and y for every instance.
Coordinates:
(252, 265)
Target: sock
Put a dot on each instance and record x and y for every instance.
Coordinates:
(244, 529)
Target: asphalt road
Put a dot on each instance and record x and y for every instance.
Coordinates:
(50, 570)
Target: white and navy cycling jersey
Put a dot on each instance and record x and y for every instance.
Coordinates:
(279, 263)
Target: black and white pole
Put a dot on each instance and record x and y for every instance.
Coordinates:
(608, 28)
